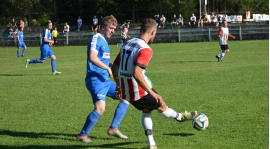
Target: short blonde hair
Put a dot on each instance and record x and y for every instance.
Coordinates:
(109, 20)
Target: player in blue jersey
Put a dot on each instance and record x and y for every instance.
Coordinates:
(21, 43)
(45, 50)
(98, 83)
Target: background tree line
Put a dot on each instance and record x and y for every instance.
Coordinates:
(37, 12)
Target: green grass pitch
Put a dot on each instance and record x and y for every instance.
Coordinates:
(39, 110)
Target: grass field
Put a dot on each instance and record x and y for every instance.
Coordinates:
(39, 110)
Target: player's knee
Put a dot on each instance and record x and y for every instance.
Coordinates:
(148, 132)
(53, 57)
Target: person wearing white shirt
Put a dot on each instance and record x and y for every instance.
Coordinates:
(192, 20)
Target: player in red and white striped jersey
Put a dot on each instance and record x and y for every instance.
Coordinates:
(223, 36)
(129, 70)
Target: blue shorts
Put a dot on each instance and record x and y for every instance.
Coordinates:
(45, 52)
(22, 44)
(100, 88)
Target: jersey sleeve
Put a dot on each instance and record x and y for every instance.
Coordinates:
(144, 57)
(220, 32)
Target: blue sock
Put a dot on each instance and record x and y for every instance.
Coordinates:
(18, 53)
(53, 63)
(37, 60)
(23, 52)
(119, 113)
(90, 122)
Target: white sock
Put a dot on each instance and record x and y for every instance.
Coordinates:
(170, 113)
(148, 124)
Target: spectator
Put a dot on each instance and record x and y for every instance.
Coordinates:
(10, 32)
(13, 24)
(100, 20)
(79, 22)
(21, 24)
(157, 19)
(66, 29)
(213, 19)
(219, 20)
(200, 21)
(162, 21)
(174, 21)
(206, 19)
(95, 25)
(180, 20)
(55, 34)
(192, 20)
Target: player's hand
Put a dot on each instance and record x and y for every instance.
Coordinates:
(233, 37)
(156, 96)
(110, 72)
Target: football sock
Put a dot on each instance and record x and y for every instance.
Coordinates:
(23, 52)
(91, 120)
(222, 55)
(169, 113)
(37, 60)
(119, 113)
(18, 53)
(53, 63)
(148, 125)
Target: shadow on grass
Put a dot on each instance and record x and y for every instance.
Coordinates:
(179, 134)
(8, 75)
(58, 136)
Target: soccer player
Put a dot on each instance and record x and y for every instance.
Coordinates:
(129, 70)
(55, 34)
(46, 50)
(66, 29)
(79, 22)
(21, 43)
(98, 83)
(223, 36)
(95, 25)
(124, 33)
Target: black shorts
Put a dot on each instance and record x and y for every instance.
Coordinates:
(146, 102)
(224, 47)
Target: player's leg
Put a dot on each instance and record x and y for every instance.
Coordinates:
(18, 50)
(119, 113)
(96, 89)
(24, 49)
(43, 56)
(53, 62)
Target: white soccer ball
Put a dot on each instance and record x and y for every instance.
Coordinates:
(200, 122)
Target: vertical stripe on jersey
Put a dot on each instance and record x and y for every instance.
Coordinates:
(131, 90)
(123, 91)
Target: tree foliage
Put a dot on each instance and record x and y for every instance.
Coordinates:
(61, 11)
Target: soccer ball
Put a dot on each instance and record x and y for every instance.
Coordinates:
(200, 122)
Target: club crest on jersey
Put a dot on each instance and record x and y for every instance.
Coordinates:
(106, 55)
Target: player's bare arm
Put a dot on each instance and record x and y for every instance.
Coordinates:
(96, 61)
(137, 74)
(230, 35)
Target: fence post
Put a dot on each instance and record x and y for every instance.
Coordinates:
(240, 33)
(209, 34)
(67, 34)
(40, 38)
(179, 38)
